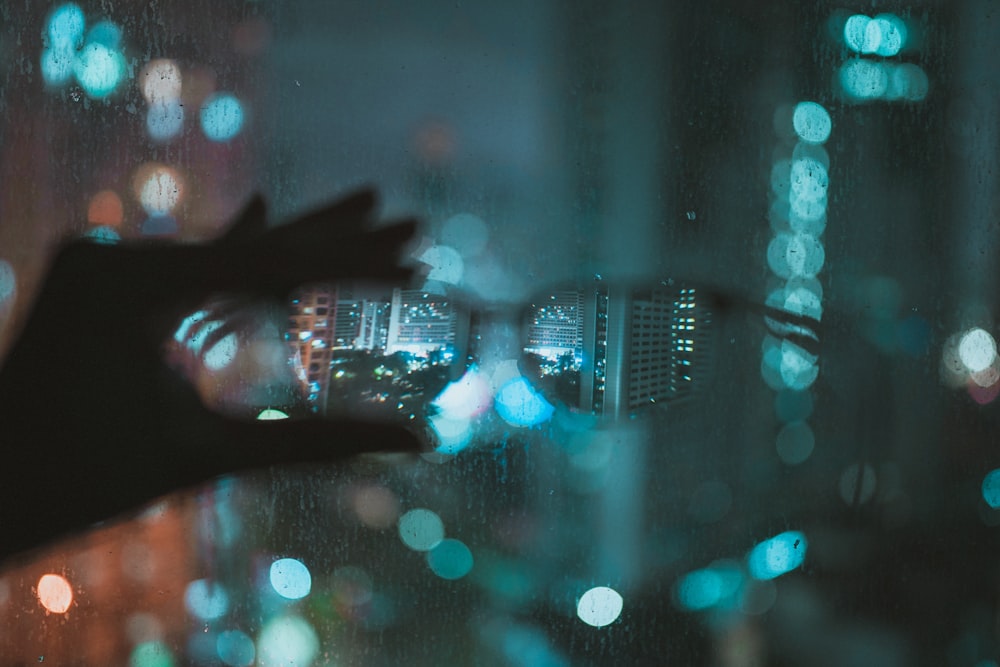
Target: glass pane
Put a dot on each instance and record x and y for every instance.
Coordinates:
(826, 494)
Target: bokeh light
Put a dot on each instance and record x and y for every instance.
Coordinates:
(158, 188)
(977, 349)
(235, 648)
(8, 281)
(103, 235)
(151, 654)
(600, 606)
(887, 33)
(445, 264)
(290, 578)
(519, 404)
(270, 414)
(809, 180)
(99, 70)
(856, 33)
(57, 66)
(160, 81)
(165, 119)
(221, 117)
(465, 398)
(287, 641)
(777, 556)
(450, 559)
(991, 488)
(811, 122)
(864, 79)
(421, 529)
(710, 586)
(55, 593)
(65, 26)
(105, 208)
(795, 443)
(785, 365)
(106, 33)
(206, 600)
(699, 590)
(375, 505)
(159, 226)
(804, 255)
(857, 484)
(907, 82)
(466, 233)
(452, 435)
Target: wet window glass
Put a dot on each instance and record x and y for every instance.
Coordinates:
(695, 336)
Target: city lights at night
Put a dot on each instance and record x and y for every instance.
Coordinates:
(222, 117)
(600, 606)
(526, 334)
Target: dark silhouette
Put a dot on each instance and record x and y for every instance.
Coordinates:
(95, 424)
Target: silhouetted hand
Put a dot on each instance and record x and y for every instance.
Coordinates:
(94, 424)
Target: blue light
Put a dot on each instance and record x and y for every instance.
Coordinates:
(102, 235)
(159, 225)
(221, 117)
(699, 590)
(795, 443)
(864, 79)
(165, 119)
(887, 33)
(450, 559)
(105, 33)
(777, 556)
(855, 32)
(991, 488)
(519, 404)
(8, 281)
(907, 82)
(805, 255)
(206, 600)
(57, 66)
(809, 180)
(291, 578)
(710, 587)
(235, 648)
(65, 27)
(811, 122)
(99, 70)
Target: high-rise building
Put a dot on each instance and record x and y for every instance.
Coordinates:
(613, 350)
(556, 326)
(311, 330)
(422, 322)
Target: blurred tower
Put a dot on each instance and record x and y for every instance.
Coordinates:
(421, 322)
(311, 330)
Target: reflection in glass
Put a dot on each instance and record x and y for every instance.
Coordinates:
(609, 350)
(377, 353)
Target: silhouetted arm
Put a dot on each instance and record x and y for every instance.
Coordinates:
(92, 421)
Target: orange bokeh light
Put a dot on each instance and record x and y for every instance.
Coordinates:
(55, 593)
(105, 208)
